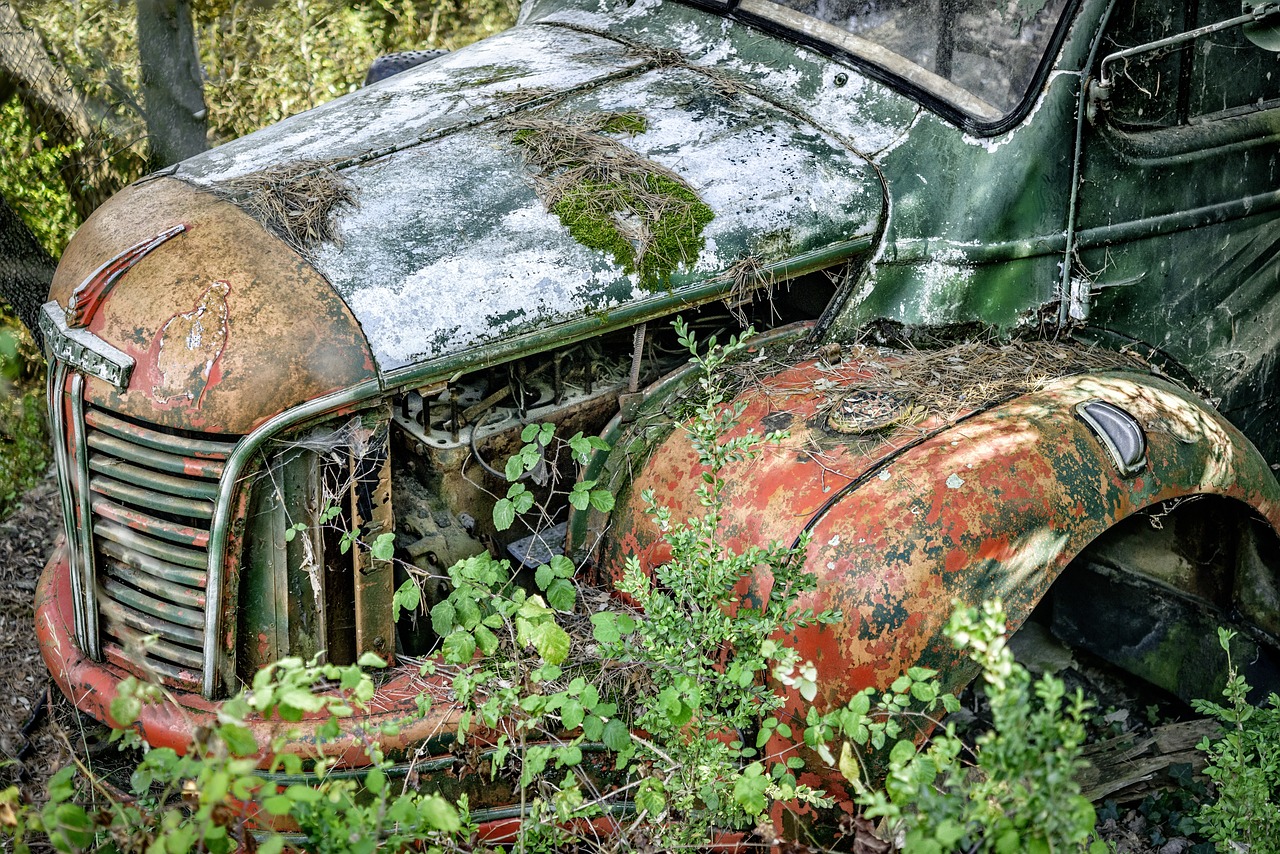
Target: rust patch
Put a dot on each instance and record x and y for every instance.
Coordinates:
(188, 346)
(988, 501)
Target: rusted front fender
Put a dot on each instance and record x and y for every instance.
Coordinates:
(992, 503)
(91, 685)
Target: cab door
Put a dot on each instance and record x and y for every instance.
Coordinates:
(1177, 237)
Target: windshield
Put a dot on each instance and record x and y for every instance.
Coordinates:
(978, 55)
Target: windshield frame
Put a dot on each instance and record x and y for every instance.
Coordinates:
(885, 66)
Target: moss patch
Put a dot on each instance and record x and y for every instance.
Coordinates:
(608, 196)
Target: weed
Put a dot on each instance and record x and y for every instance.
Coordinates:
(1244, 765)
(1017, 794)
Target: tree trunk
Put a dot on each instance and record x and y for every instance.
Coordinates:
(57, 107)
(26, 269)
(172, 88)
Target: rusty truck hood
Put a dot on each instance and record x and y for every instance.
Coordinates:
(447, 255)
(448, 246)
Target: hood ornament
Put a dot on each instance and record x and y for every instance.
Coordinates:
(64, 331)
(87, 298)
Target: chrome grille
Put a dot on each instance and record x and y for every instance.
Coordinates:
(151, 496)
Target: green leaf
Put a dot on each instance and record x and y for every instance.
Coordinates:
(749, 789)
(571, 714)
(504, 514)
(486, 640)
(384, 546)
(459, 647)
(562, 566)
(442, 618)
(466, 612)
(570, 756)
(604, 627)
(301, 699)
(848, 765)
(375, 781)
(551, 641)
(948, 832)
(1009, 842)
(239, 739)
(439, 814)
(602, 500)
(74, 824)
(408, 596)
(273, 844)
(522, 500)
(651, 798)
(125, 709)
(370, 660)
(514, 468)
(543, 576)
(561, 595)
(616, 736)
(579, 498)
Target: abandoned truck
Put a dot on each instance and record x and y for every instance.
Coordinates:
(357, 310)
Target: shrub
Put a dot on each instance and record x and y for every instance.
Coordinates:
(1244, 765)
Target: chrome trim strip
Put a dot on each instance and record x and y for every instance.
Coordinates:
(219, 527)
(57, 419)
(83, 350)
(88, 574)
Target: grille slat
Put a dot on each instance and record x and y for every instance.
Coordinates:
(174, 674)
(155, 439)
(183, 487)
(191, 597)
(152, 566)
(144, 523)
(190, 618)
(168, 552)
(189, 658)
(159, 460)
(153, 495)
(141, 497)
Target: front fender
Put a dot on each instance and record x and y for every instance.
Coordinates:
(990, 503)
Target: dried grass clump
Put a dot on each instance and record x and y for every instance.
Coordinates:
(608, 196)
(523, 95)
(295, 201)
(747, 276)
(949, 382)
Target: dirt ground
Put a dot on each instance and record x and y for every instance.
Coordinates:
(30, 748)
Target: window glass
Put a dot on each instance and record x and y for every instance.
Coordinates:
(989, 49)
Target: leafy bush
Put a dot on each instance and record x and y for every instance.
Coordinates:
(708, 653)
(1017, 793)
(206, 799)
(1244, 765)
